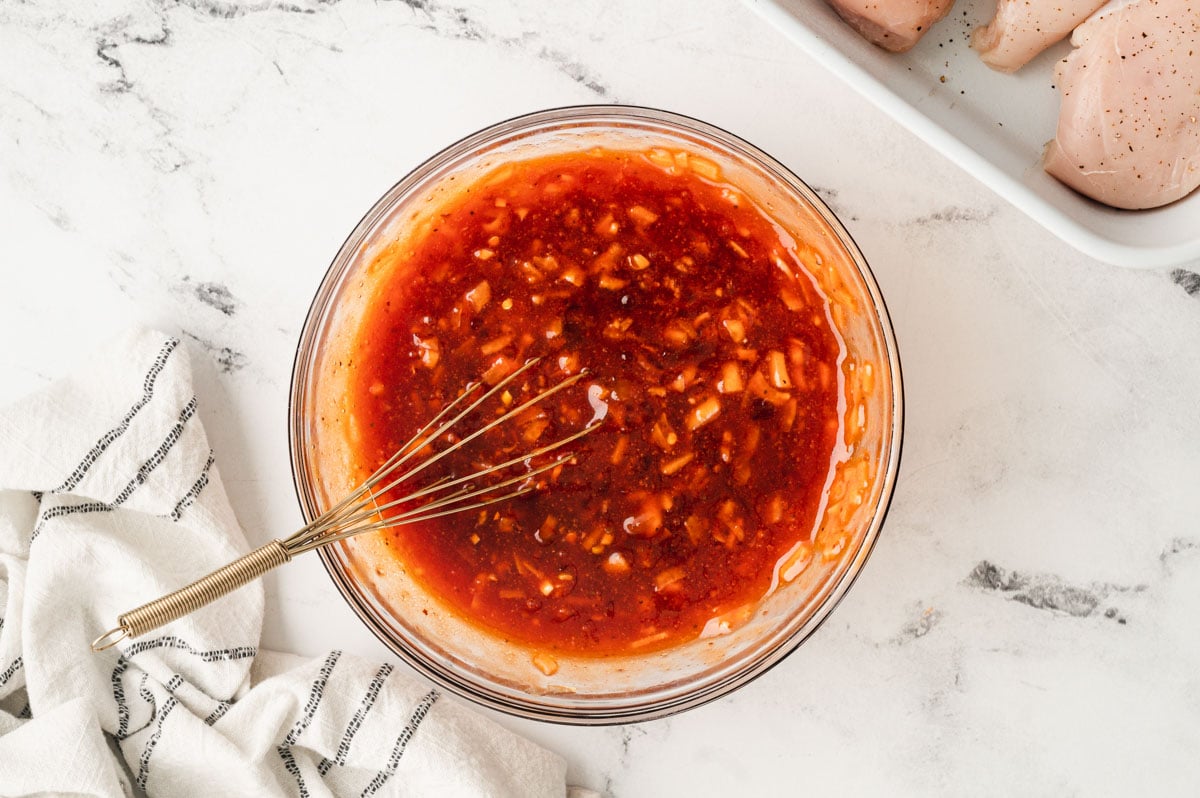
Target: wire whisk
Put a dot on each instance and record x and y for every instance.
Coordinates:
(362, 511)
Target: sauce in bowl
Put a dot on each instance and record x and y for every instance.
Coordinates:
(714, 363)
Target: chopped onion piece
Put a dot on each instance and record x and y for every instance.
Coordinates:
(616, 563)
(792, 301)
(736, 329)
(685, 378)
(531, 272)
(773, 509)
(660, 158)
(646, 523)
(674, 466)
(569, 362)
(649, 639)
(618, 453)
(642, 216)
(781, 265)
(480, 295)
(761, 389)
(679, 332)
(430, 350)
(545, 663)
(868, 378)
(667, 577)
(608, 259)
(534, 429)
(496, 344)
(606, 226)
(705, 168)
(662, 434)
(703, 413)
(778, 368)
(500, 368)
(731, 378)
(796, 561)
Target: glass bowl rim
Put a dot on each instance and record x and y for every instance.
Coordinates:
(698, 693)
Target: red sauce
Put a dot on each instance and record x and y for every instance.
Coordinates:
(717, 370)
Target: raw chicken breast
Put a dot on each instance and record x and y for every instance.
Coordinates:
(1023, 28)
(1129, 127)
(894, 25)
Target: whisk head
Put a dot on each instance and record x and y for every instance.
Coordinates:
(371, 506)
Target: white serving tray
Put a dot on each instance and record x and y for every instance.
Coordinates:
(990, 124)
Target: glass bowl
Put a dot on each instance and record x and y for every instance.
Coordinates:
(810, 581)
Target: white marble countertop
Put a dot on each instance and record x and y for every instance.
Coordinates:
(1027, 624)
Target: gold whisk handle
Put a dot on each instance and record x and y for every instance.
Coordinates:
(196, 595)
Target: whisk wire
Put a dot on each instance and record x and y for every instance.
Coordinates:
(354, 514)
(446, 482)
(402, 454)
(348, 529)
(419, 515)
(540, 397)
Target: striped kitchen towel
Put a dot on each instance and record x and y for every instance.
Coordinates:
(109, 494)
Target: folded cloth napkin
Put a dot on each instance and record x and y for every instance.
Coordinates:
(110, 496)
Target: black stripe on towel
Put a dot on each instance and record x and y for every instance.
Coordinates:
(176, 432)
(402, 741)
(119, 699)
(139, 479)
(194, 490)
(147, 696)
(168, 641)
(101, 507)
(310, 709)
(11, 670)
(356, 722)
(144, 762)
(217, 713)
(68, 509)
(107, 439)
